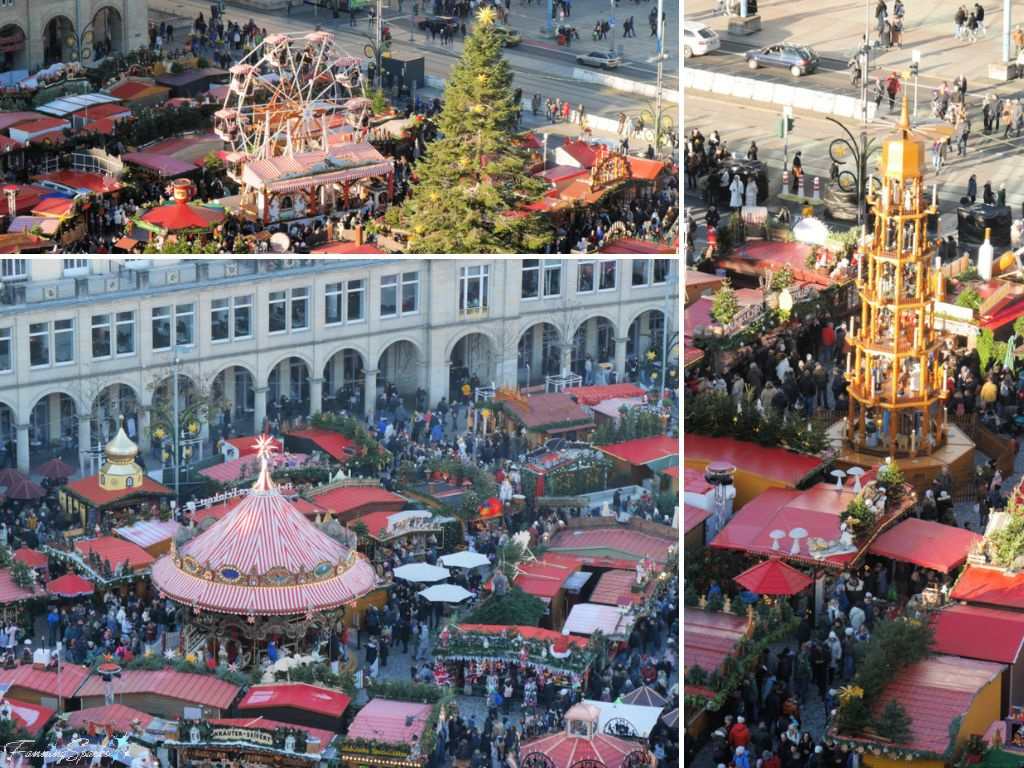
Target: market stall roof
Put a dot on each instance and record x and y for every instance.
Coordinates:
(587, 618)
(935, 692)
(347, 247)
(89, 488)
(8, 119)
(547, 410)
(208, 690)
(693, 516)
(542, 579)
(332, 443)
(990, 585)
(776, 464)
(165, 165)
(47, 681)
(598, 394)
(633, 245)
(393, 722)
(32, 717)
(643, 719)
(773, 577)
(926, 543)
(10, 592)
(756, 257)
(147, 533)
(118, 716)
(133, 90)
(100, 111)
(528, 633)
(264, 557)
(645, 450)
(22, 224)
(70, 585)
(104, 125)
(348, 498)
(709, 637)
(614, 542)
(116, 551)
(230, 472)
(180, 215)
(68, 105)
(75, 181)
(695, 482)
(613, 586)
(31, 557)
(377, 522)
(818, 511)
(610, 407)
(989, 634)
(310, 698)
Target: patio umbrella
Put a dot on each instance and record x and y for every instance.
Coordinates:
(773, 577)
(445, 593)
(56, 468)
(70, 585)
(645, 696)
(8, 476)
(23, 488)
(671, 719)
(421, 572)
(464, 560)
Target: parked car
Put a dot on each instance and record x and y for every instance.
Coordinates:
(798, 59)
(699, 39)
(508, 36)
(438, 23)
(602, 59)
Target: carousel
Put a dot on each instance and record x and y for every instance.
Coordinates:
(581, 745)
(262, 580)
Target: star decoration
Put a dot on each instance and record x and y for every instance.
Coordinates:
(169, 654)
(485, 15)
(251, 619)
(840, 150)
(264, 445)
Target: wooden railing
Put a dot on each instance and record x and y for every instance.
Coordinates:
(997, 296)
(956, 267)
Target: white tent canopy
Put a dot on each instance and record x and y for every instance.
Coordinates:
(586, 618)
(464, 560)
(421, 572)
(445, 593)
(643, 719)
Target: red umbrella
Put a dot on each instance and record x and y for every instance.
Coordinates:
(23, 488)
(773, 577)
(56, 468)
(70, 585)
(9, 476)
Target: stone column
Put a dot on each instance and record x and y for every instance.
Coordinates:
(84, 442)
(229, 391)
(620, 358)
(23, 448)
(54, 433)
(260, 408)
(370, 391)
(316, 393)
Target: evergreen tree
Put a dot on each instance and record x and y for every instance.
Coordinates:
(472, 179)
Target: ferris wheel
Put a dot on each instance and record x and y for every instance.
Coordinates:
(289, 94)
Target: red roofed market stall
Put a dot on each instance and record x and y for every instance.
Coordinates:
(926, 543)
(989, 585)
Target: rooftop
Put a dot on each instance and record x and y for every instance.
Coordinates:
(989, 634)
(709, 637)
(384, 720)
(168, 683)
(988, 585)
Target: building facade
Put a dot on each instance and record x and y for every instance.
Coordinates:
(85, 340)
(35, 34)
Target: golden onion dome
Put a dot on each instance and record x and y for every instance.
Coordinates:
(121, 449)
(903, 156)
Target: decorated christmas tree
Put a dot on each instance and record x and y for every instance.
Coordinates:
(473, 185)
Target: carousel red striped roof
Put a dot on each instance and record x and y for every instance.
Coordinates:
(264, 558)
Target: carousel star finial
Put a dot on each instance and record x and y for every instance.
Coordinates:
(264, 445)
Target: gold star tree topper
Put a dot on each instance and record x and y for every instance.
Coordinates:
(485, 15)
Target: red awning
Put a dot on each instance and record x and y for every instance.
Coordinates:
(773, 577)
(31, 557)
(989, 634)
(70, 585)
(926, 543)
(989, 585)
(177, 216)
(332, 443)
(776, 464)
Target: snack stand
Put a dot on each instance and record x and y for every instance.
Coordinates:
(409, 532)
(250, 743)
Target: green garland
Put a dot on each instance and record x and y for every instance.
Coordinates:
(400, 690)
(507, 646)
(156, 661)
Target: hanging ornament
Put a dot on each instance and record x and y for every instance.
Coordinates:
(251, 619)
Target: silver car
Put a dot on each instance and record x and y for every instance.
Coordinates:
(602, 59)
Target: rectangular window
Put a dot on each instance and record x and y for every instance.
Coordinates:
(161, 328)
(278, 318)
(606, 280)
(473, 289)
(243, 317)
(640, 272)
(552, 279)
(184, 323)
(662, 268)
(300, 308)
(355, 290)
(63, 341)
(14, 269)
(389, 296)
(6, 356)
(220, 320)
(531, 279)
(334, 300)
(100, 336)
(585, 277)
(410, 293)
(39, 344)
(125, 333)
(75, 267)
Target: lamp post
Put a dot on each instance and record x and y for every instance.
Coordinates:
(670, 280)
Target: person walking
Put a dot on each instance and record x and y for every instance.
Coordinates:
(979, 15)
(892, 87)
(879, 91)
(972, 27)
(798, 170)
(881, 12)
(972, 188)
(960, 20)
(1001, 195)
(988, 197)
(961, 131)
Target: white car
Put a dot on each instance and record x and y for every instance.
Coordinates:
(699, 39)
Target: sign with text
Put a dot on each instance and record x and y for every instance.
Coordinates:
(249, 735)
